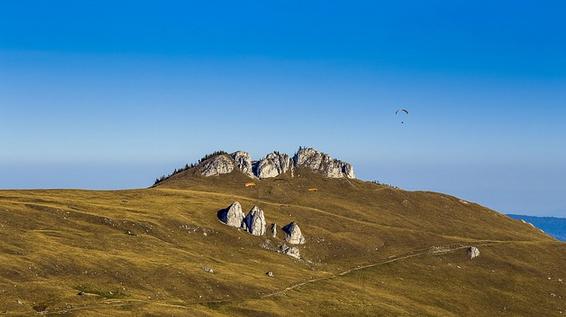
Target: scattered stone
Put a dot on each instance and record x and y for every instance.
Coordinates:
(270, 274)
(208, 269)
(274, 230)
(439, 249)
(473, 252)
(268, 245)
(255, 221)
(290, 251)
(20, 302)
(293, 234)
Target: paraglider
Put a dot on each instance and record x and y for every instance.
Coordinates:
(403, 112)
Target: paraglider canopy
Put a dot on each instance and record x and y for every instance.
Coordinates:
(403, 112)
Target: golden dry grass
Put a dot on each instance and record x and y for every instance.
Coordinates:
(368, 253)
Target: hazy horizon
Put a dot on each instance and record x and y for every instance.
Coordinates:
(85, 104)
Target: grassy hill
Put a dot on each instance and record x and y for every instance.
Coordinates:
(371, 250)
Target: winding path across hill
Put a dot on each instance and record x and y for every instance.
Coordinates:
(187, 306)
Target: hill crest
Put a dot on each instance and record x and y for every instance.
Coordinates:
(272, 165)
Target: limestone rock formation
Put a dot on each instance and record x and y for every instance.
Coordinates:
(233, 216)
(293, 234)
(291, 251)
(473, 252)
(243, 162)
(273, 165)
(255, 221)
(219, 164)
(323, 163)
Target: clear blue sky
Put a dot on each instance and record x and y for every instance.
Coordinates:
(111, 94)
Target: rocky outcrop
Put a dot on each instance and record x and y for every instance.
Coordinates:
(243, 162)
(233, 216)
(322, 163)
(217, 165)
(293, 234)
(273, 165)
(291, 251)
(473, 252)
(255, 221)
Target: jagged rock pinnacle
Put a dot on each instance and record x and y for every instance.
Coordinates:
(276, 163)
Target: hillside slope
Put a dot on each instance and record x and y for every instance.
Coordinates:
(371, 251)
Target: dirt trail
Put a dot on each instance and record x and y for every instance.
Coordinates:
(364, 267)
(187, 306)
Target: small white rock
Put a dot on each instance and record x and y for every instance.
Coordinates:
(473, 252)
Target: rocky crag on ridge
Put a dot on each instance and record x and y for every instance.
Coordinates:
(276, 163)
(272, 165)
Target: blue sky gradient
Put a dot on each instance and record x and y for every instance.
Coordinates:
(105, 95)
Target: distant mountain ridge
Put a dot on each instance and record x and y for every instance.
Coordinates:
(553, 226)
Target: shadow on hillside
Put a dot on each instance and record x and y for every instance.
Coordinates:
(222, 215)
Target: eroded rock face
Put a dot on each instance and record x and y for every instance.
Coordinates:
(233, 216)
(220, 164)
(276, 163)
(473, 252)
(348, 170)
(243, 162)
(323, 163)
(273, 165)
(255, 221)
(293, 234)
